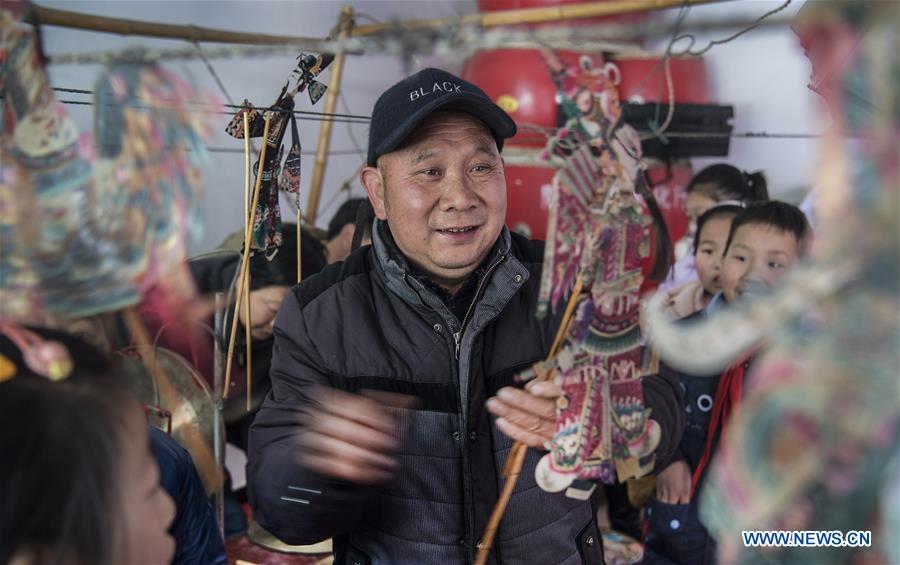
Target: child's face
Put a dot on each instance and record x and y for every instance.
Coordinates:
(148, 508)
(758, 254)
(695, 204)
(708, 255)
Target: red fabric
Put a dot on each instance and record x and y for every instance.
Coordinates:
(182, 336)
(728, 398)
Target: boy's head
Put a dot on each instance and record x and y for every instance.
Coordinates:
(713, 228)
(766, 240)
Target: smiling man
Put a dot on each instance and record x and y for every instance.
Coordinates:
(393, 403)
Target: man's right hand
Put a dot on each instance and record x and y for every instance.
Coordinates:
(352, 437)
(673, 484)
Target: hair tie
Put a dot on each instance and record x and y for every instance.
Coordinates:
(45, 357)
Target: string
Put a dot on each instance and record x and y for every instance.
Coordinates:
(350, 133)
(346, 188)
(732, 37)
(214, 74)
(357, 117)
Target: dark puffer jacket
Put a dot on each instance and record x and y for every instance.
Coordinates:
(369, 324)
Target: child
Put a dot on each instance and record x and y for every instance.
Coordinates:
(764, 242)
(713, 227)
(77, 479)
(715, 185)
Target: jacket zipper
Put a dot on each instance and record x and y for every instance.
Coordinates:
(457, 337)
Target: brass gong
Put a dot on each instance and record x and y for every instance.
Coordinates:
(178, 401)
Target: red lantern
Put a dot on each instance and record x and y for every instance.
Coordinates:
(528, 190)
(519, 82)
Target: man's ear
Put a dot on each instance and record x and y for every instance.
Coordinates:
(372, 179)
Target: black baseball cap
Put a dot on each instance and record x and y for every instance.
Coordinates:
(405, 105)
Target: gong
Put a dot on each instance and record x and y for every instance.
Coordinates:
(178, 401)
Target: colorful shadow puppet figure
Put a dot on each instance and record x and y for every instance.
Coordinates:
(597, 241)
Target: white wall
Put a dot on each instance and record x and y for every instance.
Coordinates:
(763, 74)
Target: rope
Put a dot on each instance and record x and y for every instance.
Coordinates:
(732, 37)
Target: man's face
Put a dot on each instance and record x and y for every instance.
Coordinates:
(443, 195)
(758, 255)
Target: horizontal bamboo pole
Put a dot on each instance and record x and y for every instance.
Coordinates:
(331, 100)
(122, 26)
(533, 15)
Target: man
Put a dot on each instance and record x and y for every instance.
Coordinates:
(339, 238)
(440, 309)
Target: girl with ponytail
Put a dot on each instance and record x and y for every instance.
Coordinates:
(716, 185)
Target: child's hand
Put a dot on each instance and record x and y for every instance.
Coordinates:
(673, 484)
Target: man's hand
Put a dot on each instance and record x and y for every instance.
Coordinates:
(527, 415)
(673, 484)
(352, 437)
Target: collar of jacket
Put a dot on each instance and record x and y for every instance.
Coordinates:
(400, 278)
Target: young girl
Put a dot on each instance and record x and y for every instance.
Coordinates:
(715, 185)
(709, 243)
(77, 480)
(763, 243)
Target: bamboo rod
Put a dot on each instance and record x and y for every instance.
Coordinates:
(246, 170)
(331, 99)
(248, 363)
(122, 26)
(516, 457)
(248, 340)
(532, 15)
(513, 467)
(245, 259)
(299, 241)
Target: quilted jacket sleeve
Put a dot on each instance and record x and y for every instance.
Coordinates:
(662, 394)
(290, 501)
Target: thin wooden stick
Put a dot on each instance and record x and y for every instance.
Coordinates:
(299, 241)
(246, 170)
(567, 316)
(513, 467)
(248, 339)
(248, 352)
(245, 259)
(516, 457)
